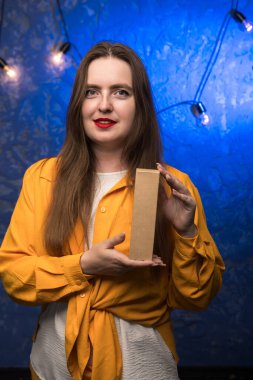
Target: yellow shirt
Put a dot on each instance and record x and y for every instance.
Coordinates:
(145, 296)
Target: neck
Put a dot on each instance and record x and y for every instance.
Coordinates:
(109, 161)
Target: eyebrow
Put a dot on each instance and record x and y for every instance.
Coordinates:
(114, 86)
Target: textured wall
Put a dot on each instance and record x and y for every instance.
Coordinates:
(174, 39)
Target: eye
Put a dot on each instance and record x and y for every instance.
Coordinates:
(122, 93)
(90, 93)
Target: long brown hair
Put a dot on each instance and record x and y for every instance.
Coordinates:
(74, 187)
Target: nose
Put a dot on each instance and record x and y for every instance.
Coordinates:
(105, 105)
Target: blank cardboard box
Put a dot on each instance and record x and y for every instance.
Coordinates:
(144, 214)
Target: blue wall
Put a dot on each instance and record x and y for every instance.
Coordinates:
(174, 39)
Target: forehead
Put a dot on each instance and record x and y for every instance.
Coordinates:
(109, 70)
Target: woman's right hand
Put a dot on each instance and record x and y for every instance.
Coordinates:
(104, 259)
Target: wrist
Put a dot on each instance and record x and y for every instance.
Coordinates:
(84, 263)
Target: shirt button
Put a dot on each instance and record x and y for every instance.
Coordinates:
(103, 209)
(82, 295)
(78, 282)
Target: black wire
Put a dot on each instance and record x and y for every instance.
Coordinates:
(1, 19)
(215, 59)
(234, 4)
(219, 45)
(175, 105)
(66, 32)
(210, 66)
(54, 16)
(77, 51)
(62, 20)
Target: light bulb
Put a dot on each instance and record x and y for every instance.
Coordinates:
(199, 111)
(241, 19)
(57, 55)
(204, 118)
(9, 71)
(248, 25)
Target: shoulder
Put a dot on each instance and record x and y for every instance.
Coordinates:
(45, 168)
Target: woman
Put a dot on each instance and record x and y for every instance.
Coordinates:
(106, 316)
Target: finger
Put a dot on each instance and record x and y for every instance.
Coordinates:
(187, 199)
(113, 241)
(138, 263)
(158, 261)
(161, 168)
(156, 257)
(177, 185)
(159, 264)
(172, 180)
(143, 263)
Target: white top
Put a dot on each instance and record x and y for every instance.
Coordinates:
(104, 182)
(145, 355)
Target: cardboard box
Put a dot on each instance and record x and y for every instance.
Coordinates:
(144, 214)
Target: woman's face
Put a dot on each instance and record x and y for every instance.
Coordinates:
(109, 107)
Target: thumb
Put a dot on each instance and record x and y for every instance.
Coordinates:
(115, 240)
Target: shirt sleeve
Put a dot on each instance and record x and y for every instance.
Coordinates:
(197, 266)
(29, 277)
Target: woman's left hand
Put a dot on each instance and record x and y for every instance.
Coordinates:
(180, 207)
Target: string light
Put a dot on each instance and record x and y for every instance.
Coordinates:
(57, 55)
(9, 71)
(199, 111)
(197, 107)
(241, 19)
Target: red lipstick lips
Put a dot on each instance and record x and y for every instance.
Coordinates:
(104, 122)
